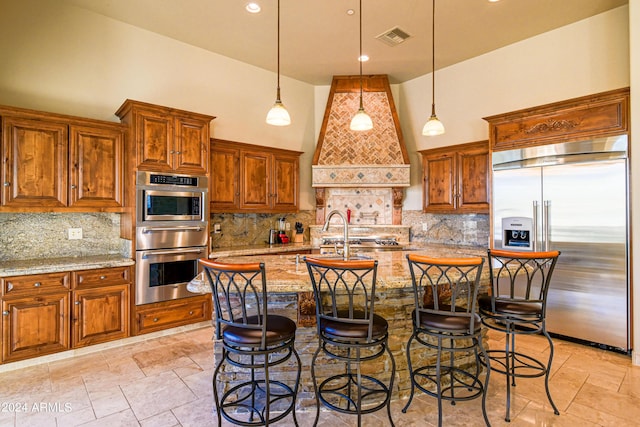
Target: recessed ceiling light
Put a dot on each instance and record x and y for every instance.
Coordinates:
(494, 1)
(350, 12)
(363, 58)
(253, 7)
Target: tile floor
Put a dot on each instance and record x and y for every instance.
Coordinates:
(166, 381)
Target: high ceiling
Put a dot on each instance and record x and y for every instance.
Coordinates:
(319, 38)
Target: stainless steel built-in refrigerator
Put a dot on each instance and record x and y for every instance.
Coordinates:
(575, 196)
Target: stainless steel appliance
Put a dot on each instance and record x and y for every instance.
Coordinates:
(171, 234)
(576, 195)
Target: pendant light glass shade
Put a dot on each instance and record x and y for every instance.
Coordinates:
(361, 121)
(278, 114)
(433, 126)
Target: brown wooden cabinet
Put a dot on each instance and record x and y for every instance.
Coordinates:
(167, 139)
(100, 305)
(52, 312)
(53, 162)
(35, 315)
(456, 178)
(170, 314)
(252, 178)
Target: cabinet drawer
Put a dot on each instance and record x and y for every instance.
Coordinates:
(34, 284)
(101, 277)
(169, 315)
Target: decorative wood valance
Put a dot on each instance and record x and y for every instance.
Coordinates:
(598, 115)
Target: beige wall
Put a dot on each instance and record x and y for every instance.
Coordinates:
(634, 53)
(60, 58)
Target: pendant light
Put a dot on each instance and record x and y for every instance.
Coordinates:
(278, 114)
(433, 126)
(361, 121)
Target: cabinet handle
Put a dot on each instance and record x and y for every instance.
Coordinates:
(155, 319)
(7, 184)
(5, 313)
(37, 284)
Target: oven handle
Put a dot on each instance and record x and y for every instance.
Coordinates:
(146, 230)
(146, 254)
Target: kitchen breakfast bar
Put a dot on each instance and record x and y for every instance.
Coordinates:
(290, 293)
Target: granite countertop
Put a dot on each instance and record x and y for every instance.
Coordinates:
(53, 265)
(285, 275)
(259, 249)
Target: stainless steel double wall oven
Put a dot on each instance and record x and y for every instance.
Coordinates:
(171, 234)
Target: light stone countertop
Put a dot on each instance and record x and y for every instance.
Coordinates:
(284, 275)
(260, 249)
(55, 265)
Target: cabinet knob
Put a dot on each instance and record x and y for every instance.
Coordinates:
(5, 313)
(191, 312)
(73, 186)
(37, 284)
(178, 152)
(77, 303)
(103, 277)
(7, 184)
(172, 152)
(155, 319)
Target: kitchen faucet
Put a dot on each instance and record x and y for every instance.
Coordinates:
(345, 249)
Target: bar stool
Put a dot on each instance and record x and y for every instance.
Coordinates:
(349, 331)
(445, 321)
(517, 306)
(252, 340)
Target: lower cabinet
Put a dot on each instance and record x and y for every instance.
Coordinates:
(48, 313)
(34, 325)
(169, 314)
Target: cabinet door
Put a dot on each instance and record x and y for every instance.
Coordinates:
(224, 190)
(285, 183)
(34, 326)
(439, 185)
(96, 167)
(154, 141)
(191, 147)
(100, 314)
(34, 172)
(473, 179)
(255, 188)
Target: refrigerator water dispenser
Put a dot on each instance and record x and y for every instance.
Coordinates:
(517, 233)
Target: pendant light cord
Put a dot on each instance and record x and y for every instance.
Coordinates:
(360, 58)
(433, 59)
(278, 61)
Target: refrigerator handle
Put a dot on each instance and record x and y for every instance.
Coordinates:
(545, 225)
(534, 232)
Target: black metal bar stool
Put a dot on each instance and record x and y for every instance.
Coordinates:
(517, 306)
(445, 321)
(252, 340)
(349, 331)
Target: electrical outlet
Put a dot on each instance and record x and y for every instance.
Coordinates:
(75, 233)
(217, 228)
(425, 227)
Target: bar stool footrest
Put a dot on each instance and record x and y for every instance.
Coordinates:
(245, 403)
(342, 397)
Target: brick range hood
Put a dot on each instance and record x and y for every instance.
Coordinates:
(362, 171)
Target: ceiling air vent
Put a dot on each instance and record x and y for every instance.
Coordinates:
(393, 37)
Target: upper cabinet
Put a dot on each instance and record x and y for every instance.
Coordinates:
(252, 178)
(456, 178)
(167, 139)
(56, 163)
(599, 115)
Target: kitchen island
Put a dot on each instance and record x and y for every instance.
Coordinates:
(291, 294)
